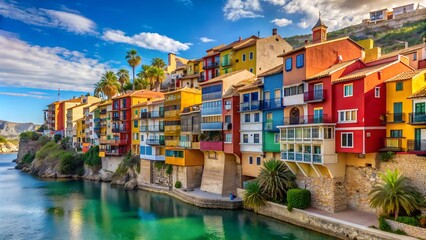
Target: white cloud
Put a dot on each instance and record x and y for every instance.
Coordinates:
(282, 22)
(33, 66)
(147, 40)
(206, 39)
(237, 9)
(68, 21)
(187, 3)
(276, 2)
(30, 94)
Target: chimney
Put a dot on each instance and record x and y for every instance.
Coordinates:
(274, 31)
(240, 39)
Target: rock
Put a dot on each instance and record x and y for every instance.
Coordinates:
(131, 185)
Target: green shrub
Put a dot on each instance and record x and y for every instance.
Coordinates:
(57, 137)
(28, 158)
(422, 221)
(298, 198)
(169, 169)
(386, 156)
(178, 184)
(383, 225)
(91, 157)
(33, 136)
(71, 164)
(409, 220)
(399, 232)
(253, 197)
(159, 165)
(129, 161)
(46, 149)
(3, 139)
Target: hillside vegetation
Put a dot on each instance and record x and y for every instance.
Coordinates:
(412, 32)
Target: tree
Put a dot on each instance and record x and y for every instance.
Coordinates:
(158, 62)
(394, 193)
(253, 196)
(157, 74)
(133, 59)
(275, 179)
(146, 75)
(108, 85)
(123, 78)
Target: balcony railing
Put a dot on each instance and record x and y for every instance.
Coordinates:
(307, 119)
(156, 128)
(143, 128)
(251, 106)
(211, 96)
(211, 65)
(172, 113)
(195, 145)
(119, 129)
(154, 141)
(157, 114)
(271, 126)
(185, 144)
(272, 103)
(171, 143)
(393, 118)
(301, 157)
(227, 63)
(227, 126)
(314, 96)
(145, 115)
(211, 111)
(393, 144)
(212, 126)
(416, 145)
(172, 129)
(417, 118)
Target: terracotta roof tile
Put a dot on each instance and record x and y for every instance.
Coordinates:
(419, 94)
(363, 72)
(272, 71)
(221, 77)
(403, 51)
(190, 76)
(336, 67)
(406, 75)
(254, 84)
(141, 93)
(233, 90)
(238, 43)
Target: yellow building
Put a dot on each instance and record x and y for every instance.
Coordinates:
(405, 112)
(190, 78)
(76, 112)
(254, 54)
(105, 134)
(79, 134)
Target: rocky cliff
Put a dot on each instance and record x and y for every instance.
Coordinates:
(11, 130)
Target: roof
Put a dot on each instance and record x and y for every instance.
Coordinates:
(319, 24)
(254, 84)
(332, 69)
(320, 43)
(190, 76)
(272, 71)
(141, 93)
(233, 90)
(239, 43)
(105, 103)
(364, 72)
(159, 101)
(404, 50)
(79, 105)
(406, 75)
(185, 89)
(419, 94)
(220, 77)
(139, 104)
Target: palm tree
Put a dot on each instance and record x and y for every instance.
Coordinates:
(133, 59)
(157, 74)
(123, 78)
(253, 197)
(146, 74)
(158, 62)
(394, 193)
(109, 84)
(98, 90)
(275, 179)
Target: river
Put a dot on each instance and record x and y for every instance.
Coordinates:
(34, 208)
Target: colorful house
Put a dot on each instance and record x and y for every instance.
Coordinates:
(76, 111)
(105, 134)
(222, 170)
(194, 69)
(416, 55)
(211, 64)
(405, 115)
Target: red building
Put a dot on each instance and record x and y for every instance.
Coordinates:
(211, 64)
(359, 101)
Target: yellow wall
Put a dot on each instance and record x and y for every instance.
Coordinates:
(247, 64)
(190, 158)
(248, 169)
(418, 82)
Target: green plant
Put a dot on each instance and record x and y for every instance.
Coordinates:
(178, 184)
(409, 220)
(169, 169)
(383, 225)
(253, 197)
(394, 193)
(422, 221)
(159, 165)
(3, 139)
(91, 157)
(57, 137)
(386, 156)
(275, 179)
(71, 164)
(46, 149)
(399, 232)
(29, 136)
(298, 198)
(28, 158)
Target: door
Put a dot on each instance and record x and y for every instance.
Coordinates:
(318, 115)
(266, 98)
(277, 97)
(417, 139)
(419, 112)
(318, 91)
(397, 112)
(294, 116)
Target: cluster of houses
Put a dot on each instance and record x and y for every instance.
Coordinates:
(318, 108)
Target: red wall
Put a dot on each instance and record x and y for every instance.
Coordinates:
(357, 141)
(233, 147)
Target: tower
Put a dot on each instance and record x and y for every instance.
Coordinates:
(319, 31)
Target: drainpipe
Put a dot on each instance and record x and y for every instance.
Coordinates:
(363, 141)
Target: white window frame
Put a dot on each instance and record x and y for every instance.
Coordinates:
(248, 140)
(345, 120)
(254, 134)
(229, 138)
(341, 139)
(352, 90)
(377, 92)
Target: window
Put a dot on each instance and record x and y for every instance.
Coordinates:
(247, 117)
(347, 116)
(250, 158)
(347, 140)
(135, 123)
(399, 86)
(251, 55)
(245, 138)
(377, 92)
(414, 56)
(244, 57)
(258, 161)
(288, 64)
(228, 105)
(227, 118)
(251, 70)
(348, 90)
(256, 138)
(256, 117)
(300, 60)
(328, 133)
(228, 137)
(136, 112)
(396, 133)
(276, 138)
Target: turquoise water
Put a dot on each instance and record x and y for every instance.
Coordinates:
(31, 208)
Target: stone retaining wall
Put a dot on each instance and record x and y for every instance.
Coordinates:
(111, 163)
(413, 231)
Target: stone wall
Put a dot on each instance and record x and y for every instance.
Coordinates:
(189, 176)
(145, 174)
(111, 163)
(413, 231)
(159, 176)
(359, 180)
(27, 146)
(327, 193)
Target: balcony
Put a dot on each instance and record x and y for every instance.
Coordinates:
(173, 129)
(155, 141)
(153, 157)
(211, 111)
(145, 115)
(302, 157)
(226, 63)
(393, 118)
(417, 118)
(114, 118)
(113, 142)
(271, 126)
(416, 145)
(172, 114)
(314, 96)
(211, 126)
(185, 144)
(393, 144)
(211, 65)
(272, 103)
(211, 96)
(171, 143)
(119, 129)
(172, 160)
(251, 106)
(201, 78)
(291, 100)
(227, 126)
(307, 119)
(211, 146)
(157, 114)
(156, 128)
(143, 128)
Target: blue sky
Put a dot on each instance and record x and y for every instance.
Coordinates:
(51, 44)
